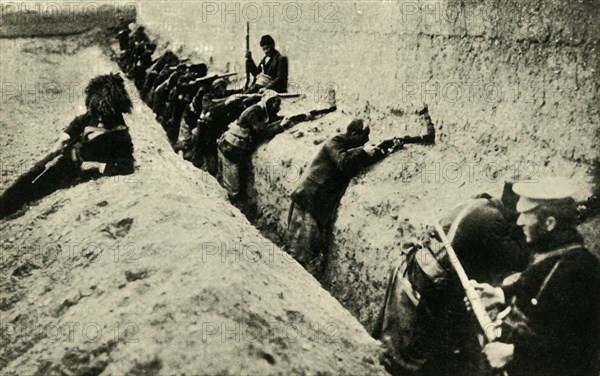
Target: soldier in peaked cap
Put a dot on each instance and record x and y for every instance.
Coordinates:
(553, 326)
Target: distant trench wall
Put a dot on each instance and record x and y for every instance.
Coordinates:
(511, 85)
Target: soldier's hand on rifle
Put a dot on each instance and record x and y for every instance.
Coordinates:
(373, 150)
(386, 144)
(491, 296)
(499, 354)
(285, 121)
(61, 142)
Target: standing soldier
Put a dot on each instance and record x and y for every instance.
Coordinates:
(553, 327)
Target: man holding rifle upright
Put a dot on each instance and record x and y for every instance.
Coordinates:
(271, 72)
(553, 326)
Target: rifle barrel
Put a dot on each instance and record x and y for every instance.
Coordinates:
(489, 330)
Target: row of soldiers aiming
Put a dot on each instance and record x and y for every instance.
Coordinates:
(218, 130)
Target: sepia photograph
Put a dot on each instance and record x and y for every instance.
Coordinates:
(300, 187)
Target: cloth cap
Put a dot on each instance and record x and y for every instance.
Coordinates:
(219, 82)
(267, 95)
(547, 192)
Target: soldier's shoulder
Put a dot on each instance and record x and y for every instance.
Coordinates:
(582, 265)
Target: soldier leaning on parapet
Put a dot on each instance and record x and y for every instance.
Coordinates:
(168, 59)
(553, 327)
(256, 124)
(141, 62)
(315, 200)
(212, 123)
(423, 323)
(180, 96)
(272, 71)
(161, 93)
(95, 143)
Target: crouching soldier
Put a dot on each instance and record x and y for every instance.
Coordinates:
(315, 200)
(423, 323)
(95, 143)
(258, 123)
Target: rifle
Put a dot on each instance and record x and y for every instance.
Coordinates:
(11, 198)
(206, 80)
(393, 144)
(276, 127)
(247, 83)
(481, 315)
(258, 96)
(312, 114)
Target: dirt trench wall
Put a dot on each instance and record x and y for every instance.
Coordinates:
(512, 87)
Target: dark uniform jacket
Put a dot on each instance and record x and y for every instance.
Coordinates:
(113, 146)
(555, 317)
(276, 68)
(328, 176)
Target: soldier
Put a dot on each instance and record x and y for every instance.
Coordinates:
(212, 123)
(95, 143)
(142, 61)
(272, 71)
(315, 200)
(258, 123)
(553, 324)
(157, 74)
(425, 327)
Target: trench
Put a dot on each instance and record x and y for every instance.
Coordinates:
(269, 171)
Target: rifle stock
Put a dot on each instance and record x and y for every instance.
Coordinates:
(10, 197)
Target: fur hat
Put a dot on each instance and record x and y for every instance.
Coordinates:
(106, 96)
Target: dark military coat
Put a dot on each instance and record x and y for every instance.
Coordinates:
(328, 176)
(555, 318)
(276, 68)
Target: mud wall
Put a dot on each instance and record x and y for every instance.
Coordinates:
(512, 87)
